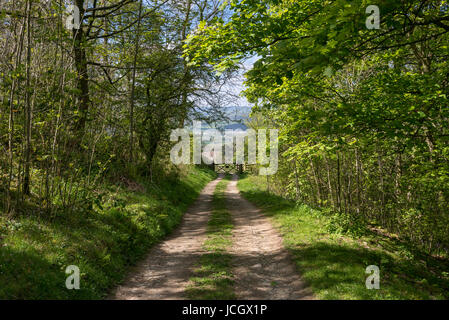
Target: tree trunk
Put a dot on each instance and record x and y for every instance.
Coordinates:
(329, 181)
(79, 42)
(187, 75)
(133, 85)
(11, 119)
(338, 182)
(26, 181)
(296, 180)
(357, 173)
(316, 182)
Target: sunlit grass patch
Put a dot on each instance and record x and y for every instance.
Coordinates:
(103, 242)
(334, 264)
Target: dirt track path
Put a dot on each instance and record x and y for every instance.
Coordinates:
(164, 274)
(261, 265)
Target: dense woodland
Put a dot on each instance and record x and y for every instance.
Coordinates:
(95, 97)
(91, 90)
(363, 113)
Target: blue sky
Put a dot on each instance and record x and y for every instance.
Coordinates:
(238, 85)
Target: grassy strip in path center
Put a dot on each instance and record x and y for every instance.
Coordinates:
(212, 279)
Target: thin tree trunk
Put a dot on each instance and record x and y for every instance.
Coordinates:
(329, 181)
(133, 85)
(338, 182)
(11, 118)
(79, 41)
(357, 173)
(26, 181)
(381, 185)
(296, 180)
(316, 182)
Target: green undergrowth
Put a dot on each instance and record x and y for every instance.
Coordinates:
(334, 264)
(212, 279)
(103, 242)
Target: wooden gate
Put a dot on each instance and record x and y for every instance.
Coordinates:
(229, 168)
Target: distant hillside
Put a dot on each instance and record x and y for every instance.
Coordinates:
(237, 115)
(235, 126)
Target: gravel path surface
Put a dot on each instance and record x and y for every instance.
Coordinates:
(261, 265)
(165, 272)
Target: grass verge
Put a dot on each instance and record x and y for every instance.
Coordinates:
(212, 279)
(334, 264)
(103, 242)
